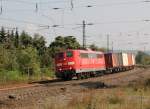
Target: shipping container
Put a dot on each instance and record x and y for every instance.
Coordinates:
(133, 59)
(130, 61)
(125, 59)
(119, 58)
(108, 60)
(111, 60)
(115, 60)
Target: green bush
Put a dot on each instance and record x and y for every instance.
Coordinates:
(11, 76)
(28, 59)
(47, 72)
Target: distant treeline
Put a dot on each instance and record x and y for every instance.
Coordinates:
(143, 58)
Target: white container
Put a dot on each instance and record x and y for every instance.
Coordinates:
(133, 59)
(125, 59)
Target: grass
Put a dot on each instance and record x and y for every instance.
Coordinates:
(15, 77)
(117, 98)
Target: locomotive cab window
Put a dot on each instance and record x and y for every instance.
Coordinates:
(92, 55)
(69, 53)
(84, 55)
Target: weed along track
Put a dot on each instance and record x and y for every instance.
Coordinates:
(44, 93)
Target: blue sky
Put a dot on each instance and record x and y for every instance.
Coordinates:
(123, 20)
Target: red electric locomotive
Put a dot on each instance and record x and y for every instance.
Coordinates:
(79, 63)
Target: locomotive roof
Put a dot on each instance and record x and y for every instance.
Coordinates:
(88, 51)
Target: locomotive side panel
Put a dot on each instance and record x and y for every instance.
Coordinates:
(90, 61)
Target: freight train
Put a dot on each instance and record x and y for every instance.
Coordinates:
(88, 63)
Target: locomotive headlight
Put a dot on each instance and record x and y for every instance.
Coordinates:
(71, 63)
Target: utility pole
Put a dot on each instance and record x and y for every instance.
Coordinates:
(84, 37)
(112, 46)
(107, 42)
(83, 25)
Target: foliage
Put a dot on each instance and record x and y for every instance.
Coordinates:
(94, 47)
(11, 75)
(2, 35)
(28, 59)
(25, 39)
(8, 59)
(142, 58)
(102, 49)
(63, 43)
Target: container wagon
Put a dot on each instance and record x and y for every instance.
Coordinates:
(116, 62)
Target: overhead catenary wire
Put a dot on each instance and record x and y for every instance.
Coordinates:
(81, 6)
(32, 3)
(1, 8)
(104, 5)
(20, 21)
(62, 25)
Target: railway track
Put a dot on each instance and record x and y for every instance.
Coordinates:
(119, 77)
(126, 74)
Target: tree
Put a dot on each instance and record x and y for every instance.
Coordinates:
(63, 43)
(94, 47)
(71, 42)
(102, 49)
(142, 58)
(8, 42)
(46, 59)
(16, 39)
(8, 59)
(39, 43)
(59, 42)
(25, 39)
(28, 59)
(3, 35)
